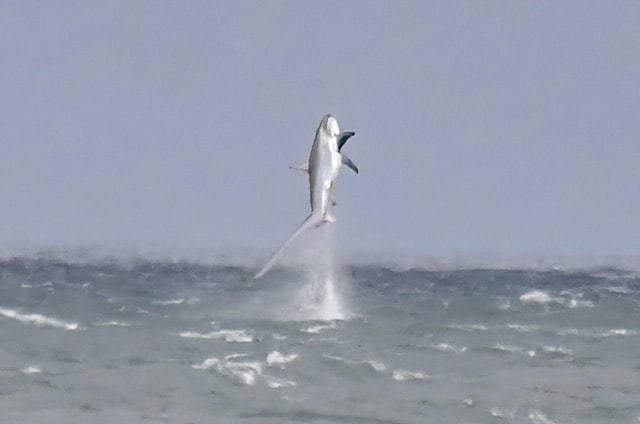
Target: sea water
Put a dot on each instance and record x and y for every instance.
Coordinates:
(135, 341)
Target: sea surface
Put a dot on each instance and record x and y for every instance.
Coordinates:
(137, 341)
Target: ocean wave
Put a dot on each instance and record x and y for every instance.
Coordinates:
(601, 267)
(244, 372)
(596, 333)
(31, 370)
(277, 359)
(502, 413)
(523, 328)
(569, 299)
(374, 365)
(513, 349)
(179, 301)
(39, 320)
(112, 324)
(404, 375)
(239, 336)
(539, 417)
(448, 348)
(557, 351)
(467, 327)
(315, 329)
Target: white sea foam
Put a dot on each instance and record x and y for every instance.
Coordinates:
(31, 370)
(277, 359)
(514, 349)
(179, 301)
(48, 284)
(112, 324)
(498, 412)
(207, 363)
(377, 366)
(523, 328)
(404, 375)
(570, 299)
(619, 289)
(557, 350)
(314, 329)
(277, 383)
(238, 336)
(448, 348)
(538, 417)
(619, 332)
(278, 337)
(577, 303)
(243, 372)
(39, 320)
(539, 297)
(468, 327)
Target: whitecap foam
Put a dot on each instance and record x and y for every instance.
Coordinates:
(538, 417)
(112, 324)
(619, 332)
(238, 336)
(39, 320)
(278, 383)
(557, 350)
(523, 328)
(514, 349)
(31, 370)
(377, 366)
(539, 297)
(404, 375)
(448, 348)
(179, 301)
(277, 359)
(247, 372)
(578, 303)
(207, 363)
(570, 299)
(498, 412)
(619, 289)
(314, 329)
(468, 327)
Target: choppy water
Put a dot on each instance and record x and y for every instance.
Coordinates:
(187, 343)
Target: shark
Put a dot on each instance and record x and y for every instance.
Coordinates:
(325, 160)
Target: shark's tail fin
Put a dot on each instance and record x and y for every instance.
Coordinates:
(311, 221)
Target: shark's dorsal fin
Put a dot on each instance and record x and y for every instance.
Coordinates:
(347, 161)
(343, 137)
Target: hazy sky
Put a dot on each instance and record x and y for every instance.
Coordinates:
(503, 127)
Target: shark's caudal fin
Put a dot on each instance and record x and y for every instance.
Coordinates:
(311, 221)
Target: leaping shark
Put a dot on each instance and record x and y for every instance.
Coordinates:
(323, 168)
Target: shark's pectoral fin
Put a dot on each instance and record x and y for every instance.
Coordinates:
(302, 167)
(343, 137)
(347, 161)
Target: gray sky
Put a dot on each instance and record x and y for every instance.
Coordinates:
(504, 127)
